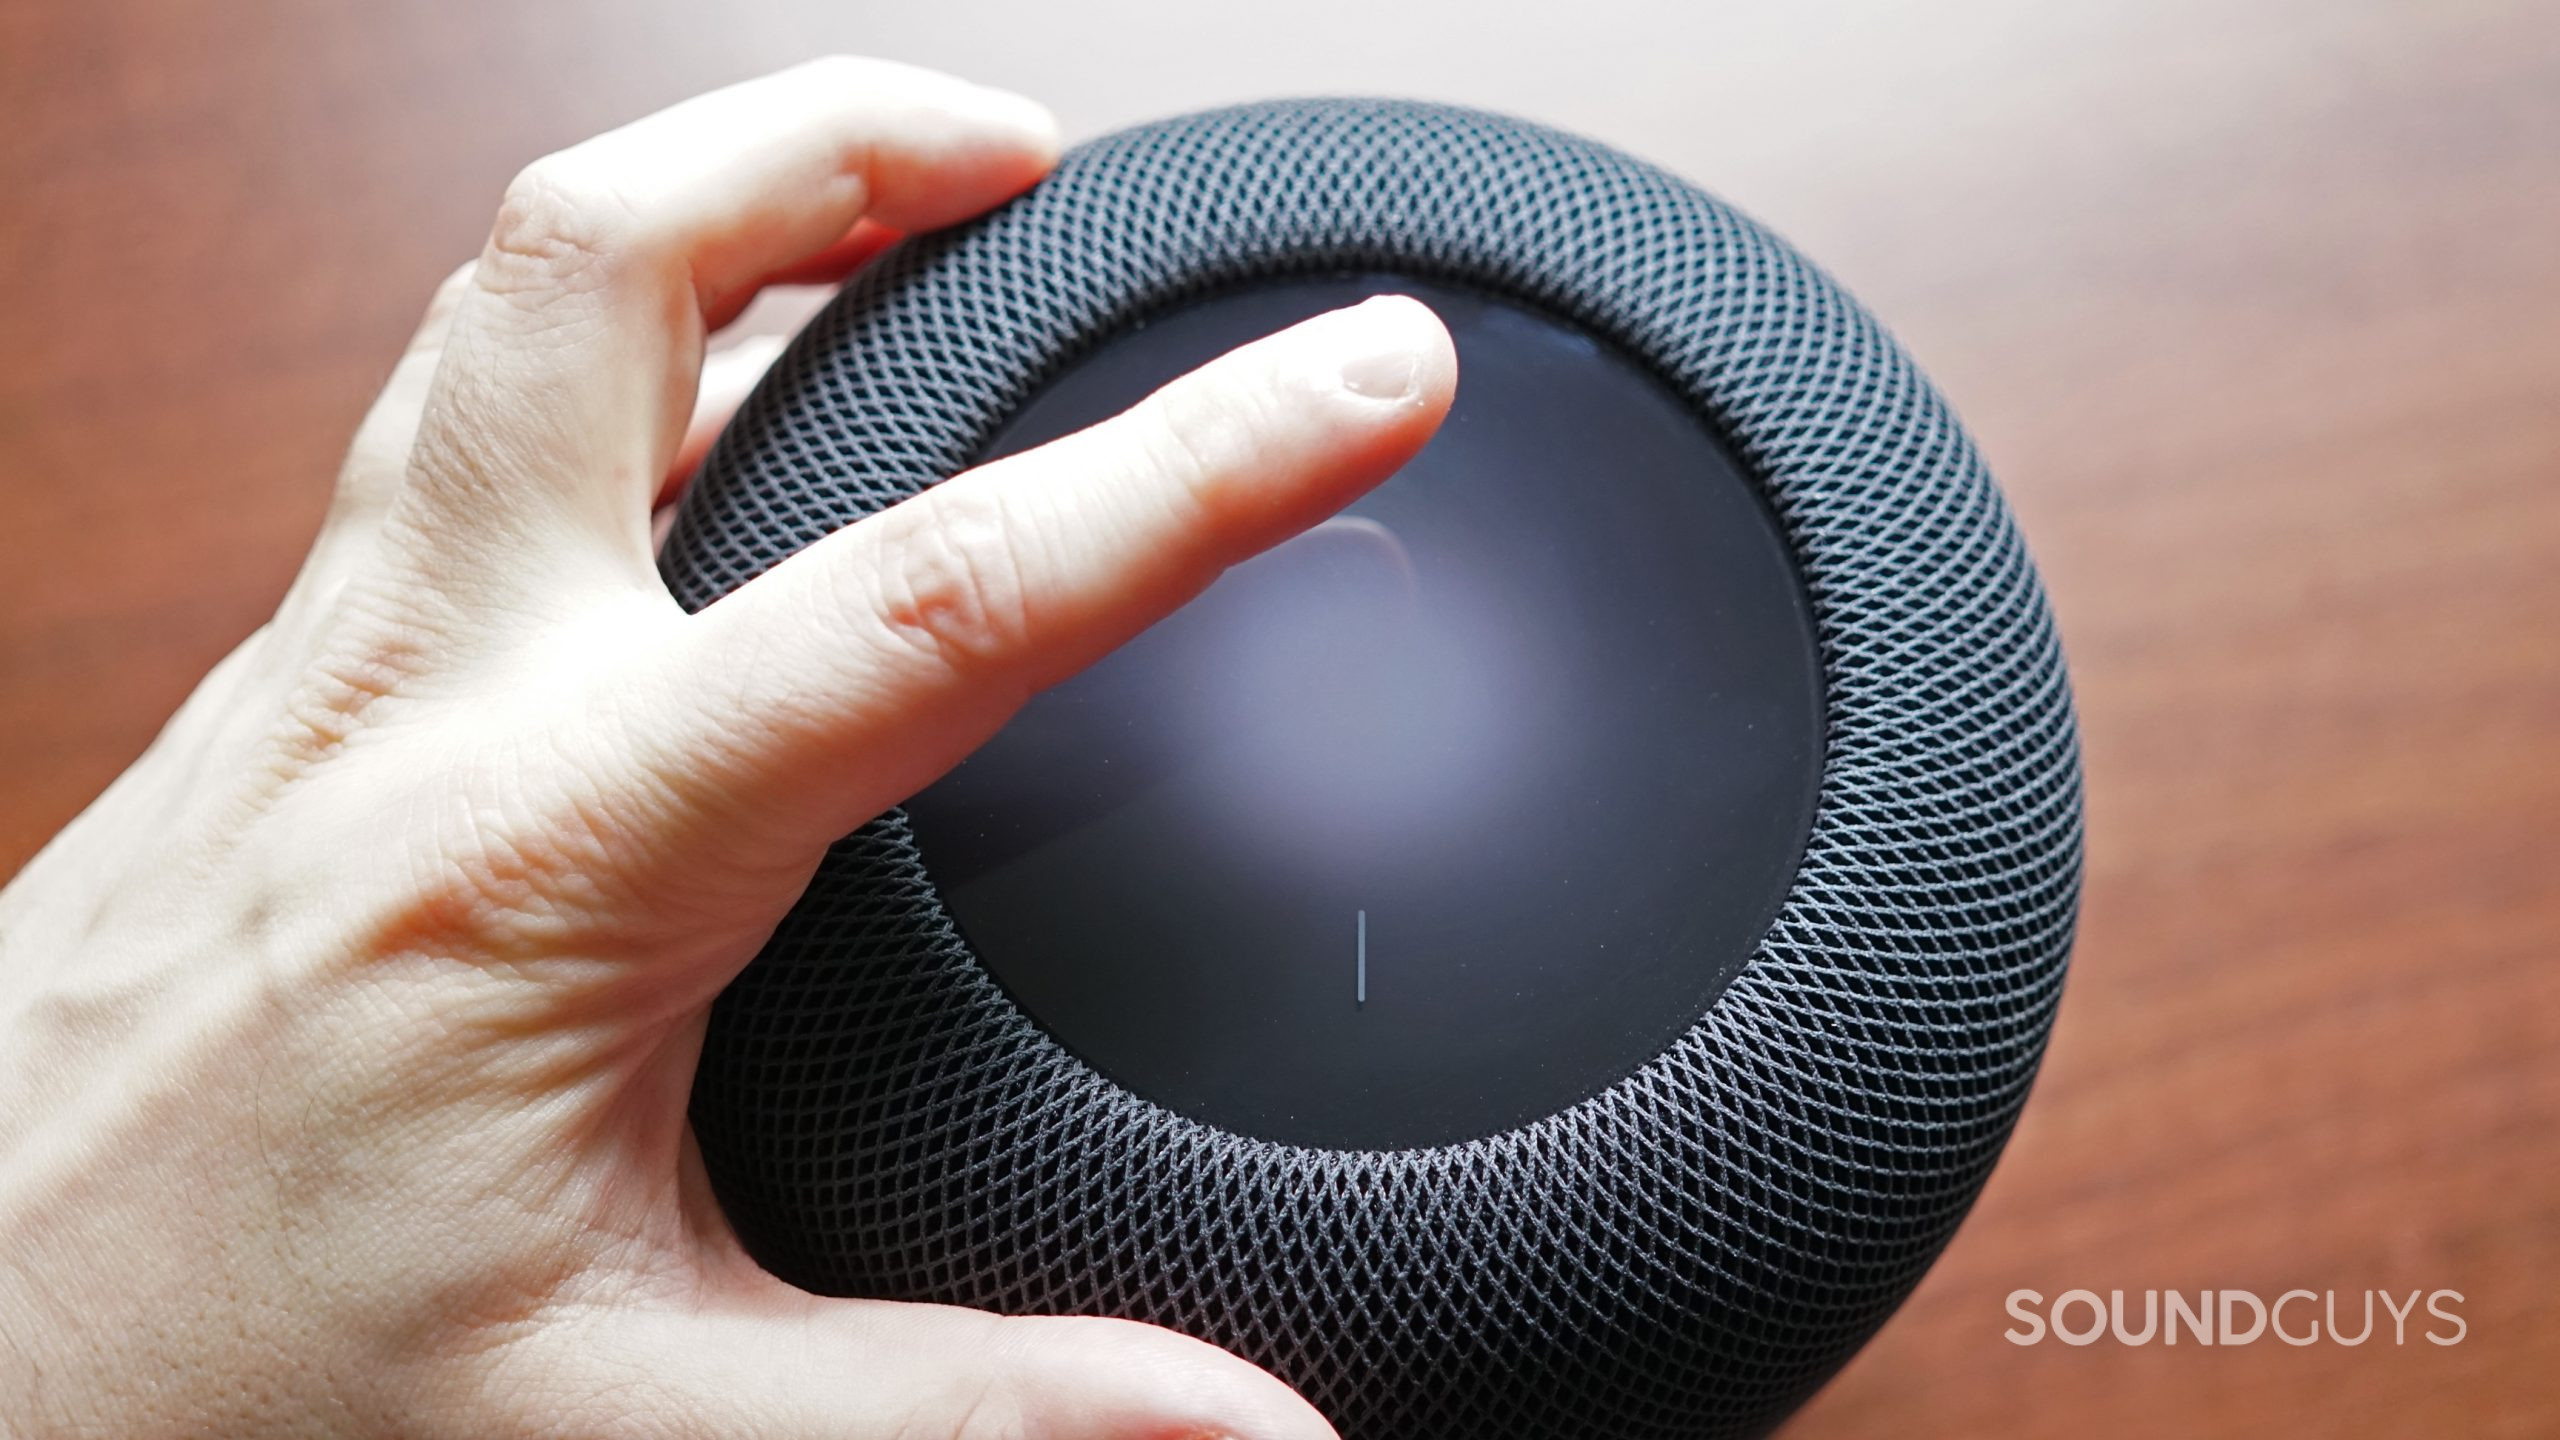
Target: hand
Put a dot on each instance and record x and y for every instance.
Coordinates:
(345, 1042)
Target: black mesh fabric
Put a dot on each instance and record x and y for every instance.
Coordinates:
(1689, 1252)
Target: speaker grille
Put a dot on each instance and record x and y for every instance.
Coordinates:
(1691, 1251)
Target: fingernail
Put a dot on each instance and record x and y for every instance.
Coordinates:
(1387, 361)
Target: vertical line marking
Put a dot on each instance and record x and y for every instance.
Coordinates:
(1360, 990)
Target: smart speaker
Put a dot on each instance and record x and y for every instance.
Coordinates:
(1554, 950)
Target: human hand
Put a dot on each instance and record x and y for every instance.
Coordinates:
(345, 1042)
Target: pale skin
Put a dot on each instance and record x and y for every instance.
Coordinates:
(345, 1041)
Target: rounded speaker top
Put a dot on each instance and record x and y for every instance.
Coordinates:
(1439, 818)
(1683, 1236)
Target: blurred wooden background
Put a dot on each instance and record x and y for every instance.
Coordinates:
(2255, 307)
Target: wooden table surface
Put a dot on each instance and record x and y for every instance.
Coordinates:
(2254, 306)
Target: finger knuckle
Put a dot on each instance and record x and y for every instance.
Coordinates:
(557, 228)
(521, 887)
(955, 586)
(1195, 440)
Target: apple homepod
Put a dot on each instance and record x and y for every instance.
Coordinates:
(1553, 951)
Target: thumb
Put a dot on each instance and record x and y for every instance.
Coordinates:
(776, 1362)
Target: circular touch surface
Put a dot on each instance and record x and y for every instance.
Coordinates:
(1438, 818)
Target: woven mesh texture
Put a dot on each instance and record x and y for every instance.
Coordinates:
(1693, 1250)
